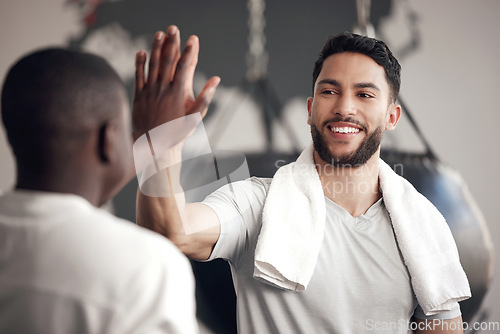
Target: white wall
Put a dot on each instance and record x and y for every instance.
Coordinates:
(452, 80)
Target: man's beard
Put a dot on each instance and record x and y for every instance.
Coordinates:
(366, 149)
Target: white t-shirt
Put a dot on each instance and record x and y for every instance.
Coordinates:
(68, 267)
(360, 283)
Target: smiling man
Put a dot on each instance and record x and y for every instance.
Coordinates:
(335, 242)
(354, 102)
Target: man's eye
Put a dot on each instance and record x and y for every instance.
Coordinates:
(328, 92)
(364, 95)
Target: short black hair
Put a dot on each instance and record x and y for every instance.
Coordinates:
(52, 97)
(371, 47)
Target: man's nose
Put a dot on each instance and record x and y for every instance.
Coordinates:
(345, 106)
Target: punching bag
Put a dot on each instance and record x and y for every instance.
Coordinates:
(445, 188)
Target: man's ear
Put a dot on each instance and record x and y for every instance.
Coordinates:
(393, 115)
(309, 104)
(107, 141)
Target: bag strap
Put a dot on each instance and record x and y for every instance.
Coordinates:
(428, 150)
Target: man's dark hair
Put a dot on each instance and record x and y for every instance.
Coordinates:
(52, 98)
(371, 47)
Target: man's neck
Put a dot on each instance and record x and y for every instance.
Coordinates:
(355, 189)
(61, 183)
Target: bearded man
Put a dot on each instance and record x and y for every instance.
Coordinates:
(335, 242)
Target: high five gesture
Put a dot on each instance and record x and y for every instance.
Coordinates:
(166, 93)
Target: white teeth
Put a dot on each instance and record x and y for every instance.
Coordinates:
(344, 129)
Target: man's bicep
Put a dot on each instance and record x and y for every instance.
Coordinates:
(202, 229)
(239, 208)
(232, 233)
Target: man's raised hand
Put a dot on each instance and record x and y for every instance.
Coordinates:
(166, 93)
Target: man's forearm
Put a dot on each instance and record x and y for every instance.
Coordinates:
(161, 202)
(161, 206)
(162, 215)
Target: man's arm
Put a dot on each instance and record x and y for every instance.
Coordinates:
(165, 95)
(438, 326)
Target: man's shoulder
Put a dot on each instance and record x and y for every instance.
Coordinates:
(262, 181)
(70, 229)
(84, 253)
(257, 186)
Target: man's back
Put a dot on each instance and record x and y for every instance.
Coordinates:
(67, 267)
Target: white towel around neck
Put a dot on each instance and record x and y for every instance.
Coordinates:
(293, 226)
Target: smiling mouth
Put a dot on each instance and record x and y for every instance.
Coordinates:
(343, 129)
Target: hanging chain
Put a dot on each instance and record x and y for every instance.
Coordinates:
(364, 26)
(256, 56)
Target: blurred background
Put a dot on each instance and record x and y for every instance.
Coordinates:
(264, 53)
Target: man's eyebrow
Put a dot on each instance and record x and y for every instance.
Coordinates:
(367, 85)
(332, 82)
(335, 83)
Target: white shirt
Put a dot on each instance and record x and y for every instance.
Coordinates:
(68, 267)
